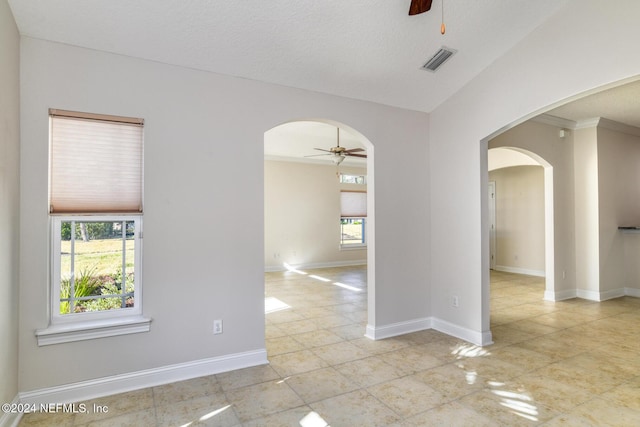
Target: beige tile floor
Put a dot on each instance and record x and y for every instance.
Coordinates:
(571, 363)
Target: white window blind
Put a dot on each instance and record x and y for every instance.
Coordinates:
(353, 204)
(96, 163)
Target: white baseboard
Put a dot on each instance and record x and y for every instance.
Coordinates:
(401, 328)
(601, 296)
(274, 268)
(517, 270)
(560, 295)
(474, 337)
(395, 329)
(632, 292)
(91, 389)
(11, 419)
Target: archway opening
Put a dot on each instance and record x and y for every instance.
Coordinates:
(565, 119)
(514, 162)
(311, 237)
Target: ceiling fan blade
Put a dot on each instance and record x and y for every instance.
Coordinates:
(364, 156)
(419, 6)
(353, 150)
(321, 149)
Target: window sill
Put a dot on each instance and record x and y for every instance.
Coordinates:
(80, 331)
(354, 247)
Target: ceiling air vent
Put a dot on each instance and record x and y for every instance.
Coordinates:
(439, 58)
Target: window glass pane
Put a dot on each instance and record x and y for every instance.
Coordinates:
(352, 231)
(96, 265)
(352, 179)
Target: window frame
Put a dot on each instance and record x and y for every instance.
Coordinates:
(56, 262)
(353, 207)
(63, 328)
(355, 176)
(99, 324)
(353, 246)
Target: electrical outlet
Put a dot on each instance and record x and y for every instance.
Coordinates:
(455, 301)
(217, 327)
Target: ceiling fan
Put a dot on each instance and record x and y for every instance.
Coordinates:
(419, 6)
(339, 153)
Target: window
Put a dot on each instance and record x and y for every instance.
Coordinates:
(353, 205)
(95, 206)
(94, 265)
(352, 232)
(352, 179)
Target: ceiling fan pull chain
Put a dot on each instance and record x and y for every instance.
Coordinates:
(443, 28)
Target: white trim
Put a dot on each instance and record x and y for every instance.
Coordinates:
(618, 127)
(559, 295)
(115, 384)
(11, 419)
(632, 292)
(518, 270)
(590, 295)
(80, 331)
(309, 266)
(587, 123)
(401, 328)
(353, 247)
(601, 296)
(395, 329)
(82, 319)
(548, 119)
(474, 337)
(613, 293)
(605, 124)
(348, 161)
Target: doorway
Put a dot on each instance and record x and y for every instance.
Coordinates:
(506, 158)
(303, 187)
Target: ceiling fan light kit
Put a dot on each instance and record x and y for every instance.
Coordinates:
(338, 153)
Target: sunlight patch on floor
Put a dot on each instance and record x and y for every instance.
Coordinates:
(273, 304)
(293, 269)
(519, 403)
(469, 350)
(313, 419)
(351, 288)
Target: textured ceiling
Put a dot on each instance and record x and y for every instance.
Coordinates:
(363, 49)
(300, 139)
(620, 104)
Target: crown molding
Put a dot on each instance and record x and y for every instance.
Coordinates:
(618, 127)
(349, 163)
(559, 122)
(587, 123)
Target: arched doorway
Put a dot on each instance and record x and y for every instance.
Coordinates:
(503, 157)
(313, 239)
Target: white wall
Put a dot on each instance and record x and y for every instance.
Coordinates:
(543, 140)
(204, 167)
(519, 219)
(586, 210)
(579, 49)
(302, 212)
(9, 202)
(619, 195)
